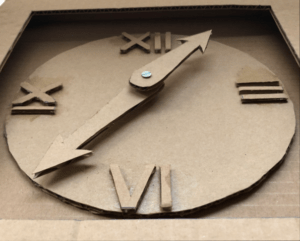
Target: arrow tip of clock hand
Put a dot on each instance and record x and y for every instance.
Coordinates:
(201, 38)
(58, 155)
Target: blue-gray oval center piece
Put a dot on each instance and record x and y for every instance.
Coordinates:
(146, 74)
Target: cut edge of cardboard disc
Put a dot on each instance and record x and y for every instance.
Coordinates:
(99, 211)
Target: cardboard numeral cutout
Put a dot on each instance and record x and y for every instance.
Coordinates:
(34, 93)
(37, 94)
(258, 91)
(165, 187)
(168, 43)
(134, 42)
(139, 42)
(264, 98)
(157, 43)
(127, 202)
(33, 110)
(131, 203)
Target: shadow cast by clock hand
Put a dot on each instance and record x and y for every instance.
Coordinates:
(66, 173)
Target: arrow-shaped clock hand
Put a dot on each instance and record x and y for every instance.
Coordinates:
(162, 67)
(63, 151)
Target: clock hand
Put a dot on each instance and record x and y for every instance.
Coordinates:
(162, 67)
(61, 151)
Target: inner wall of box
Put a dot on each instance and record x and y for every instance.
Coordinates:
(253, 32)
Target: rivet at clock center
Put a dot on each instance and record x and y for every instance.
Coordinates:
(146, 74)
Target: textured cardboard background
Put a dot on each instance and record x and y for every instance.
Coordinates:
(205, 229)
(14, 15)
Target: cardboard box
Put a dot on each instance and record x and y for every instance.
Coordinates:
(266, 30)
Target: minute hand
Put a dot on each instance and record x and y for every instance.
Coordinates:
(162, 67)
(63, 151)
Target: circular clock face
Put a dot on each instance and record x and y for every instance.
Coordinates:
(216, 146)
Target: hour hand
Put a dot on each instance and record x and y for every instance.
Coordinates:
(162, 67)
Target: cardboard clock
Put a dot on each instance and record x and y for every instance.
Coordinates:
(160, 130)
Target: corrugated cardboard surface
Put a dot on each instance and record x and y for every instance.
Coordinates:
(277, 197)
(14, 14)
(206, 229)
